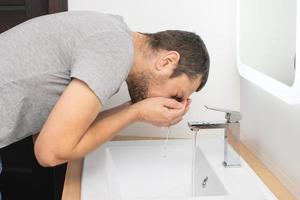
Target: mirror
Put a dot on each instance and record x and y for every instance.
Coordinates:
(267, 37)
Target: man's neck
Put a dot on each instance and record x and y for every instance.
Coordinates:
(139, 44)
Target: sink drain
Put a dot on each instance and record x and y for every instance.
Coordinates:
(204, 182)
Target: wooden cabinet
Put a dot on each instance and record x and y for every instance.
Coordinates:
(22, 177)
(13, 12)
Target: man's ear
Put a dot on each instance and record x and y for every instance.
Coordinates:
(168, 59)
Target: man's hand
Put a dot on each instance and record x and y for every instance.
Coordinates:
(75, 127)
(161, 111)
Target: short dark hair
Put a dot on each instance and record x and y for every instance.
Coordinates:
(194, 59)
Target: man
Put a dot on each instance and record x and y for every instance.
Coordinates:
(57, 71)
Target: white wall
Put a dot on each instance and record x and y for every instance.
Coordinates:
(213, 20)
(271, 129)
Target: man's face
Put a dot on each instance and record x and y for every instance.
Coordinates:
(152, 78)
(147, 84)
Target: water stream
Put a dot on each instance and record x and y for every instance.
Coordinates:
(194, 147)
(166, 142)
(193, 170)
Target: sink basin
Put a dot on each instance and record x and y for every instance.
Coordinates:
(143, 170)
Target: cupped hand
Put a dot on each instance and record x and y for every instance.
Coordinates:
(161, 111)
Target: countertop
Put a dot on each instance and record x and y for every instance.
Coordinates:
(73, 175)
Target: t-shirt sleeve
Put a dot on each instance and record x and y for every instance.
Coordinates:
(103, 61)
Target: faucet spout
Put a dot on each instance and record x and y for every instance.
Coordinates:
(195, 126)
(231, 137)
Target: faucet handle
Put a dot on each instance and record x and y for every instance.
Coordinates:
(231, 115)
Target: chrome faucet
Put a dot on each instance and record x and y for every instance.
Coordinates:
(231, 136)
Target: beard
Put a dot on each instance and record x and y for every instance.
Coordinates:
(138, 86)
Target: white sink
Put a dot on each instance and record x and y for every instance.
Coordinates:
(141, 170)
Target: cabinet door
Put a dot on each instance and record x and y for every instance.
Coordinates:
(13, 12)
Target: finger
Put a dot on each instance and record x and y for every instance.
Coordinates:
(172, 104)
(187, 106)
(184, 102)
(189, 101)
(186, 109)
(178, 116)
(176, 112)
(176, 121)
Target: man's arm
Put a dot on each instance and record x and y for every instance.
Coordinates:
(73, 128)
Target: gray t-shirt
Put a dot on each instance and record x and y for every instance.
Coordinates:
(39, 57)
